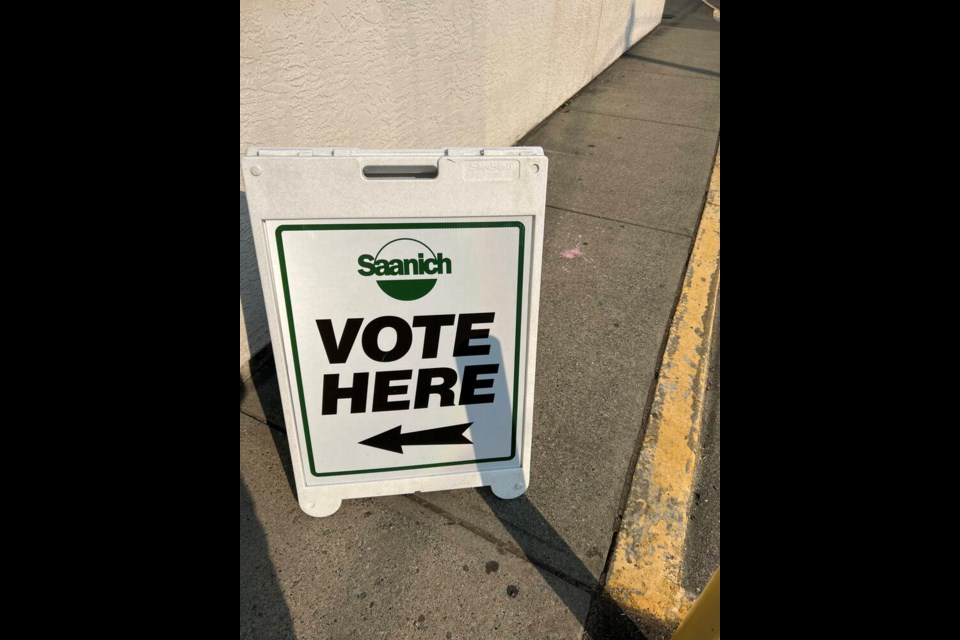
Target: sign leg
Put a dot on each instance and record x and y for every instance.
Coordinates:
(320, 507)
(509, 487)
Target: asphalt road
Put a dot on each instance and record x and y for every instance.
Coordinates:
(703, 540)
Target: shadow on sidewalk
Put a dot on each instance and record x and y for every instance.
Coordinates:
(609, 622)
(263, 608)
(604, 620)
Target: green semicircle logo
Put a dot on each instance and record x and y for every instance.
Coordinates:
(406, 290)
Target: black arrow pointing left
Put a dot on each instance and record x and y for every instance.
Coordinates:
(394, 440)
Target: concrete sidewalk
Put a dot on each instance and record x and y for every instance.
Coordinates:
(630, 158)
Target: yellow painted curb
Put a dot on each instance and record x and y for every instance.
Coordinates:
(646, 572)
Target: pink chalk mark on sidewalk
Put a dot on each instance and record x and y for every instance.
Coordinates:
(570, 254)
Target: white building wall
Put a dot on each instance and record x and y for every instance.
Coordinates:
(412, 73)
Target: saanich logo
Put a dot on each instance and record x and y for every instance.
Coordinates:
(400, 267)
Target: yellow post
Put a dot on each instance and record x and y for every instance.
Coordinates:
(703, 621)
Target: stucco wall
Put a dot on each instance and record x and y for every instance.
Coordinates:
(414, 73)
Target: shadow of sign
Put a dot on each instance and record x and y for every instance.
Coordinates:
(608, 621)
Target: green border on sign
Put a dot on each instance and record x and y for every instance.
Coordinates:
(293, 334)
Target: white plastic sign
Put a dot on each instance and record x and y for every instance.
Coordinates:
(402, 292)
